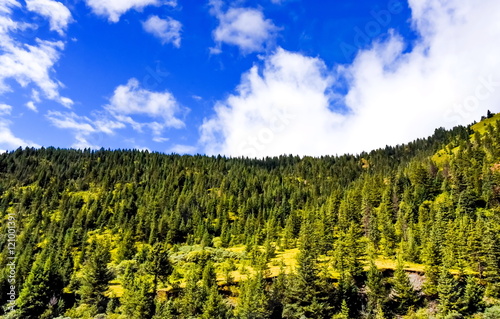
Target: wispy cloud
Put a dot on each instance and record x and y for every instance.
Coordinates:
(246, 28)
(58, 14)
(28, 64)
(8, 141)
(113, 9)
(83, 127)
(167, 30)
(129, 105)
(182, 149)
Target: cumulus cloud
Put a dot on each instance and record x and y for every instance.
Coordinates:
(280, 108)
(167, 30)
(113, 9)
(24, 63)
(58, 14)
(449, 76)
(131, 99)
(246, 28)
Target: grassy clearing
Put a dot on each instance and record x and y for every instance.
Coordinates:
(284, 261)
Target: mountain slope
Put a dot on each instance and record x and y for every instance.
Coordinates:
(135, 234)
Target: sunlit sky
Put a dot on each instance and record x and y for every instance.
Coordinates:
(243, 78)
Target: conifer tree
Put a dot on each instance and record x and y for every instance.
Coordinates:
(215, 307)
(138, 298)
(472, 299)
(375, 289)
(253, 302)
(404, 294)
(95, 276)
(448, 292)
(344, 311)
(158, 264)
(38, 290)
(193, 295)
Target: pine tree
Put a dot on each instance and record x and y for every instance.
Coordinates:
(386, 225)
(347, 253)
(193, 295)
(158, 264)
(38, 290)
(472, 299)
(307, 259)
(344, 311)
(95, 276)
(404, 294)
(253, 302)
(375, 289)
(126, 249)
(215, 307)
(448, 292)
(138, 298)
(491, 251)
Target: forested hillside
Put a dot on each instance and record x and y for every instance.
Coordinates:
(411, 230)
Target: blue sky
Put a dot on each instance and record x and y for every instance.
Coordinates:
(243, 78)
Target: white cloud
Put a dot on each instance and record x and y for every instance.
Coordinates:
(58, 14)
(5, 109)
(182, 149)
(27, 64)
(8, 141)
(113, 9)
(32, 64)
(131, 99)
(246, 28)
(70, 120)
(167, 30)
(88, 132)
(31, 105)
(159, 139)
(129, 105)
(274, 113)
(450, 76)
(438, 83)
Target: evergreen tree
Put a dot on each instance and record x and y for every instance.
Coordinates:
(375, 289)
(158, 264)
(215, 307)
(448, 292)
(472, 299)
(95, 276)
(403, 293)
(253, 302)
(40, 287)
(193, 295)
(138, 298)
(344, 311)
